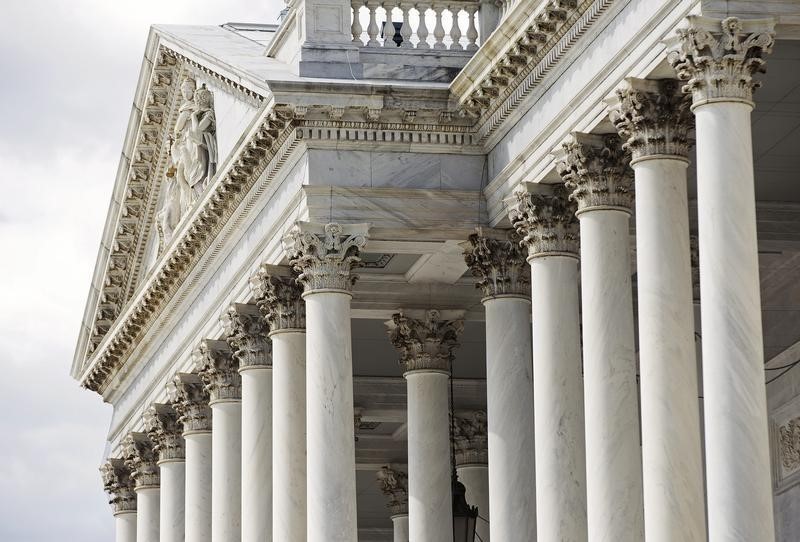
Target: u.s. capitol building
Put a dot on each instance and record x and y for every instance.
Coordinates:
(513, 270)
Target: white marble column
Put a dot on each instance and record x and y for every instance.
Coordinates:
(653, 118)
(190, 400)
(219, 371)
(596, 169)
(246, 332)
(278, 296)
(164, 430)
(122, 498)
(545, 217)
(719, 59)
(394, 484)
(499, 264)
(326, 255)
(426, 340)
(141, 460)
(472, 466)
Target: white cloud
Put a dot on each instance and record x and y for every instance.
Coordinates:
(71, 68)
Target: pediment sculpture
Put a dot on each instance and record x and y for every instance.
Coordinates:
(193, 158)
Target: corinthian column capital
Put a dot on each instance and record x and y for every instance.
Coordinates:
(471, 439)
(597, 170)
(164, 430)
(718, 58)
(544, 215)
(425, 343)
(394, 484)
(141, 460)
(499, 263)
(246, 333)
(325, 255)
(653, 118)
(190, 400)
(118, 483)
(278, 296)
(219, 370)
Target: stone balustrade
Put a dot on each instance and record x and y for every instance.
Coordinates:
(437, 25)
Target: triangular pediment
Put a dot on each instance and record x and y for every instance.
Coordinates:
(190, 111)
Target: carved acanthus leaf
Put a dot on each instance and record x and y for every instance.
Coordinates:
(718, 58)
(325, 255)
(219, 370)
(141, 460)
(498, 263)
(246, 333)
(165, 432)
(190, 400)
(278, 295)
(597, 170)
(119, 485)
(653, 118)
(471, 438)
(394, 484)
(425, 343)
(544, 216)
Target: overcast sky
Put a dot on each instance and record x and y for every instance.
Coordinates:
(69, 69)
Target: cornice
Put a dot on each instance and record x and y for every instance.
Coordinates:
(126, 308)
(489, 89)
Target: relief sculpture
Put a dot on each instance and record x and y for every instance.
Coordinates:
(193, 157)
(790, 445)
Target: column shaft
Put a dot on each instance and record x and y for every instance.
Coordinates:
(509, 390)
(289, 450)
(558, 400)
(430, 501)
(672, 468)
(257, 453)
(125, 527)
(172, 501)
(147, 521)
(198, 486)
(226, 471)
(476, 481)
(613, 464)
(331, 446)
(400, 528)
(737, 449)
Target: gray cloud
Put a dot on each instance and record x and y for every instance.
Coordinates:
(70, 71)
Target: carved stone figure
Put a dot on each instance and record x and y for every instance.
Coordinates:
(790, 445)
(194, 157)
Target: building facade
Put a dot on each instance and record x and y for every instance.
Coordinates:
(551, 246)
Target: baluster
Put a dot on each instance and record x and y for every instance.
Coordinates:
(388, 27)
(472, 32)
(438, 30)
(356, 28)
(455, 30)
(372, 28)
(422, 29)
(405, 30)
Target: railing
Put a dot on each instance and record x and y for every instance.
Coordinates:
(432, 25)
